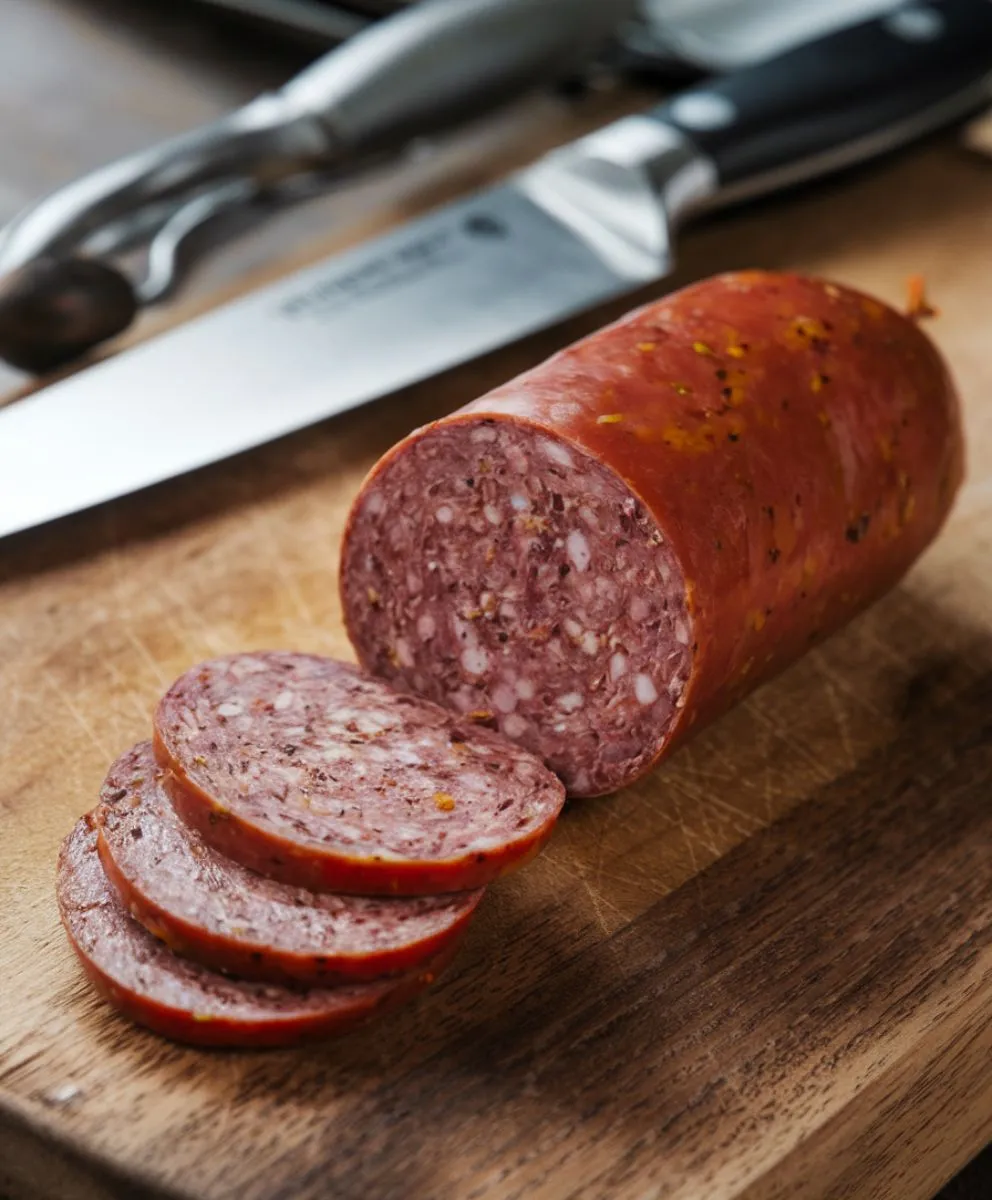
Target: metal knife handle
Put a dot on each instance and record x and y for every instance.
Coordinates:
(841, 99)
(410, 73)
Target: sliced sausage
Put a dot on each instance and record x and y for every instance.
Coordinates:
(308, 771)
(609, 551)
(207, 907)
(182, 1000)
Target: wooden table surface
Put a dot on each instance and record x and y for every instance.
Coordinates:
(766, 971)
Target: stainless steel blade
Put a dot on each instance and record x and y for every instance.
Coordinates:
(462, 281)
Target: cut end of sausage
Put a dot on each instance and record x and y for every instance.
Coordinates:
(184, 1001)
(308, 770)
(212, 909)
(506, 573)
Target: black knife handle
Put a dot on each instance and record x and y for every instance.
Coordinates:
(841, 99)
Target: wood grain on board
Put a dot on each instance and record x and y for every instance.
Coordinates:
(765, 971)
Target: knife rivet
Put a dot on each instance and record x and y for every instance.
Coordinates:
(703, 110)
(921, 24)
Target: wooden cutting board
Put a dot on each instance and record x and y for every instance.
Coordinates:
(765, 971)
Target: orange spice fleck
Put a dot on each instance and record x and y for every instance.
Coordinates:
(809, 568)
(701, 348)
(533, 524)
(444, 801)
(824, 419)
(918, 308)
(609, 419)
(805, 333)
(733, 390)
(756, 620)
(647, 347)
(700, 440)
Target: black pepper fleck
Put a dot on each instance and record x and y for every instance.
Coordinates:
(854, 533)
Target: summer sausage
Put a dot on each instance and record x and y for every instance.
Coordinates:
(309, 771)
(209, 908)
(182, 1000)
(610, 550)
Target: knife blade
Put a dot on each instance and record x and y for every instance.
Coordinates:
(587, 223)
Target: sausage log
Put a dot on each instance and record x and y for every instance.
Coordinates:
(604, 554)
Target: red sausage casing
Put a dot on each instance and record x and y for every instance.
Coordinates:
(603, 554)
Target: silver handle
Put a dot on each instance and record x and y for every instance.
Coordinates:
(424, 68)
(412, 72)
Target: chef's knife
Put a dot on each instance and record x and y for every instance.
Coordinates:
(588, 223)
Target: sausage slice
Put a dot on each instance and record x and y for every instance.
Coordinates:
(308, 771)
(207, 907)
(184, 1001)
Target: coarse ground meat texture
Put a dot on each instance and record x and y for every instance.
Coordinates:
(609, 551)
(508, 575)
(210, 908)
(310, 771)
(182, 1000)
